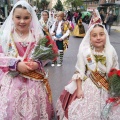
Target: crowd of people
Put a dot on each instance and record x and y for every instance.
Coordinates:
(25, 92)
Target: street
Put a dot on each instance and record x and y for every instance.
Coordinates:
(60, 76)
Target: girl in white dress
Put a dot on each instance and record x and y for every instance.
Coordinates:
(96, 56)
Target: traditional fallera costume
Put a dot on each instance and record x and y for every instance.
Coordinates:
(61, 30)
(92, 68)
(47, 23)
(79, 30)
(22, 96)
(96, 19)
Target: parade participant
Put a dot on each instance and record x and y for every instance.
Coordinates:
(60, 32)
(109, 22)
(95, 18)
(22, 98)
(45, 23)
(85, 96)
(79, 30)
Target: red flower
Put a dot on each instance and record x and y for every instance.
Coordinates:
(112, 72)
(118, 72)
(54, 46)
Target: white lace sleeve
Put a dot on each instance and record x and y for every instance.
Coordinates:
(80, 67)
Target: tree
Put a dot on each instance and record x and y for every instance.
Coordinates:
(58, 6)
(74, 3)
(43, 4)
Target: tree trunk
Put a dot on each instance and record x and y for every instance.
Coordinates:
(9, 4)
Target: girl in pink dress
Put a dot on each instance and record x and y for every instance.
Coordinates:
(21, 98)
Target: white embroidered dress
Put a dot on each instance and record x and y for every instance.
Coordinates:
(90, 107)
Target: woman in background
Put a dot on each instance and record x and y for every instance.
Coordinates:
(79, 30)
(45, 23)
(95, 18)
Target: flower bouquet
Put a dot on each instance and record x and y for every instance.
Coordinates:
(45, 49)
(114, 92)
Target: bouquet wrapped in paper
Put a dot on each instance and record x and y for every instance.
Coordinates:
(45, 49)
(114, 92)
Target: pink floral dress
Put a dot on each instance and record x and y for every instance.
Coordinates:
(21, 98)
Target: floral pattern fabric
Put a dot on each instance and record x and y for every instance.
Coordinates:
(22, 98)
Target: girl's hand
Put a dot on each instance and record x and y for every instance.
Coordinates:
(79, 93)
(23, 68)
(60, 39)
(33, 65)
(53, 34)
(45, 29)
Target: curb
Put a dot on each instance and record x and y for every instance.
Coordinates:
(116, 30)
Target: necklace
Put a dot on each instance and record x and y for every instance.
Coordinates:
(20, 34)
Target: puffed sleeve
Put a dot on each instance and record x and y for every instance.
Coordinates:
(80, 68)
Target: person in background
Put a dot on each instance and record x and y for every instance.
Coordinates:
(45, 23)
(60, 32)
(105, 21)
(79, 30)
(69, 16)
(109, 22)
(75, 16)
(95, 18)
(102, 15)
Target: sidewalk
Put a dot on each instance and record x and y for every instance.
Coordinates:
(117, 28)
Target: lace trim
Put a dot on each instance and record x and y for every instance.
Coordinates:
(43, 106)
(59, 109)
(24, 104)
(98, 53)
(3, 96)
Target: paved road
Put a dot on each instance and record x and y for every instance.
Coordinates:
(60, 76)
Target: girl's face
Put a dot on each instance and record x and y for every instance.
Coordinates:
(59, 18)
(45, 16)
(22, 19)
(98, 37)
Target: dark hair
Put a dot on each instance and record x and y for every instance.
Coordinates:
(19, 6)
(46, 12)
(98, 25)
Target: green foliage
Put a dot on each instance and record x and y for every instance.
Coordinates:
(59, 6)
(114, 84)
(43, 51)
(74, 3)
(43, 4)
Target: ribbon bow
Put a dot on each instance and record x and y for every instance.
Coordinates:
(100, 58)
